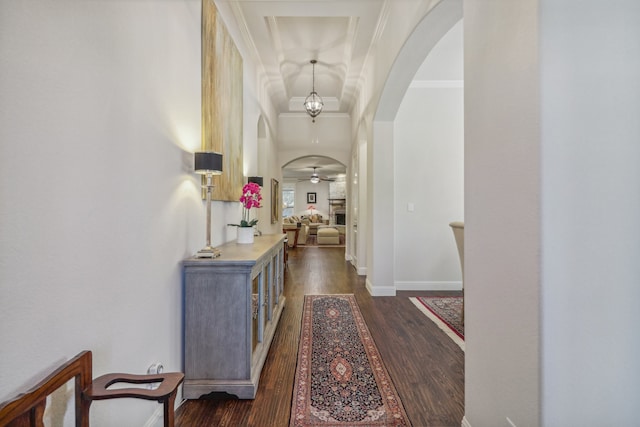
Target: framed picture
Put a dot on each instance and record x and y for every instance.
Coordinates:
(222, 97)
(275, 201)
(311, 197)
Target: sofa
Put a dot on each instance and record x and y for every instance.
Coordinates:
(314, 221)
(290, 224)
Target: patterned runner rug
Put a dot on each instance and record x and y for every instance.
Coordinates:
(340, 378)
(446, 312)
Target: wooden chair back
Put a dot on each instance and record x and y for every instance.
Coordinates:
(27, 409)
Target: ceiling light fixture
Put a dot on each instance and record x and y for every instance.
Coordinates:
(315, 178)
(313, 103)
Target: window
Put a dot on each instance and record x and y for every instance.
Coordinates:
(288, 200)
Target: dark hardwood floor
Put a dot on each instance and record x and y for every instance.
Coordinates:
(426, 367)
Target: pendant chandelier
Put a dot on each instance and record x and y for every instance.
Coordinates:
(313, 103)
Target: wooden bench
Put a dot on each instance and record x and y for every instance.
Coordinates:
(27, 409)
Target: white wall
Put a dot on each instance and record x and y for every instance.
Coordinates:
(301, 188)
(333, 133)
(356, 243)
(269, 169)
(428, 145)
(332, 130)
(329, 132)
(552, 236)
(99, 116)
(428, 152)
(590, 63)
(502, 213)
(380, 207)
(322, 198)
(378, 105)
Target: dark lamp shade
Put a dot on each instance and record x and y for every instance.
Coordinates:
(255, 179)
(208, 162)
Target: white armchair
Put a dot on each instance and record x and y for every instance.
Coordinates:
(289, 225)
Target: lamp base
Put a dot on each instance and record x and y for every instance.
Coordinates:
(208, 252)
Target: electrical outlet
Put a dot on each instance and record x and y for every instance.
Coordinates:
(155, 369)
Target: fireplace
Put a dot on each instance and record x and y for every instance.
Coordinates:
(341, 218)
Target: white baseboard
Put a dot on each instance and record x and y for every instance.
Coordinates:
(428, 286)
(465, 422)
(380, 291)
(409, 286)
(157, 418)
(362, 271)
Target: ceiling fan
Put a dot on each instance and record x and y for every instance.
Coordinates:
(315, 178)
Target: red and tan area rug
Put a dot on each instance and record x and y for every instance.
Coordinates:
(446, 312)
(340, 378)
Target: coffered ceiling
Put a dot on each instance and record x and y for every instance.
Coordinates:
(285, 35)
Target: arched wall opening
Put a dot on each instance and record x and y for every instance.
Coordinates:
(381, 168)
(303, 197)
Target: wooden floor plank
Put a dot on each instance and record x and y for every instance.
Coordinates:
(426, 366)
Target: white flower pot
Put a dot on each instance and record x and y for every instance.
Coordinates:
(245, 235)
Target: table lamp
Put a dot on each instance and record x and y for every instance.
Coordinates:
(208, 164)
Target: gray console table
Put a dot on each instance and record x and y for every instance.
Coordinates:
(232, 307)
